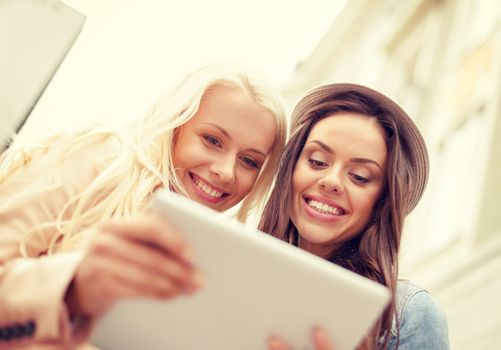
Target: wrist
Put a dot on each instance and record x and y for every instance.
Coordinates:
(72, 304)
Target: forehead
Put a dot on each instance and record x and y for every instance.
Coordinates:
(225, 102)
(353, 133)
(237, 112)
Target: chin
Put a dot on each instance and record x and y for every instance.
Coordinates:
(321, 237)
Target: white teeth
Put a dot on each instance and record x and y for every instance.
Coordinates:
(207, 189)
(322, 207)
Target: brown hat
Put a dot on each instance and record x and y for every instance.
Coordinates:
(411, 140)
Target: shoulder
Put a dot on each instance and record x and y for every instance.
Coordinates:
(88, 150)
(95, 145)
(82, 160)
(412, 299)
(68, 160)
(420, 319)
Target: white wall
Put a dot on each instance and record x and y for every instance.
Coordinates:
(34, 38)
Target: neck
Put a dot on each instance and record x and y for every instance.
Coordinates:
(320, 250)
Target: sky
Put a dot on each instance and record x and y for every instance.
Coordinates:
(271, 34)
(129, 52)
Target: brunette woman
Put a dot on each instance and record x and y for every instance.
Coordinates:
(355, 166)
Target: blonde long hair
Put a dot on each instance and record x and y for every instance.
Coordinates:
(144, 162)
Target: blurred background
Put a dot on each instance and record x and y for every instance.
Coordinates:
(107, 60)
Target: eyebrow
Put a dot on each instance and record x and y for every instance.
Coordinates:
(354, 160)
(225, 133)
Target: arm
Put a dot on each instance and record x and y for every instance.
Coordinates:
(39, 292)
(139, 257)
(32, 288)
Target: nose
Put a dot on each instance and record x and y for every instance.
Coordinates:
(224, 169)
(332, 182)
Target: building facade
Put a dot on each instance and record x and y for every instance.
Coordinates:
(441, 60)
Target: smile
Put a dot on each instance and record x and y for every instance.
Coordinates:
(209, 192)
(323, 208)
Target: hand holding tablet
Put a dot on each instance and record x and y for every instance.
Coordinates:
(255, 286)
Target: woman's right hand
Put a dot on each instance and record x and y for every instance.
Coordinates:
(141, 257)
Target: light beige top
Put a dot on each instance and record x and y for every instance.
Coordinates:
(33, 289)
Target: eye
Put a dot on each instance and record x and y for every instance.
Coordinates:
(360, 179)
(317, 164)
(211, 140)
(249, 162)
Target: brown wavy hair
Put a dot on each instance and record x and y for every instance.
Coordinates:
(373, 253)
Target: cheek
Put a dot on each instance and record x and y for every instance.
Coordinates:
(177, 160)
(189, 153)
(181, 147)
(246, 181)
(365, 203)
(298, 180)
(294, 190)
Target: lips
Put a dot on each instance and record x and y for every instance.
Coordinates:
(206, 190)
(323, 209)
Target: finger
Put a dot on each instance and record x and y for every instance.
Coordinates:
(154, 231)
(277, 343)
(123, 273)
(129, 288)
(115, 289)
(146, 257)
(321, 339)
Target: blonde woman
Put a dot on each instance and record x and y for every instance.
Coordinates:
(74, 234)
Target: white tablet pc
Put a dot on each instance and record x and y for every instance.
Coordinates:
(256, 285)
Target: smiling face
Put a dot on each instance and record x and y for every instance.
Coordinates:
(337, 180)
(219, 152)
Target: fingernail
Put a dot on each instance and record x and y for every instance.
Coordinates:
(273, 342)
(198, 280)
(318, 330)
(188, 254)
(320, 333)
(272, 339)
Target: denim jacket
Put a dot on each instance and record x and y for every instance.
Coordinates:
(423, 326)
